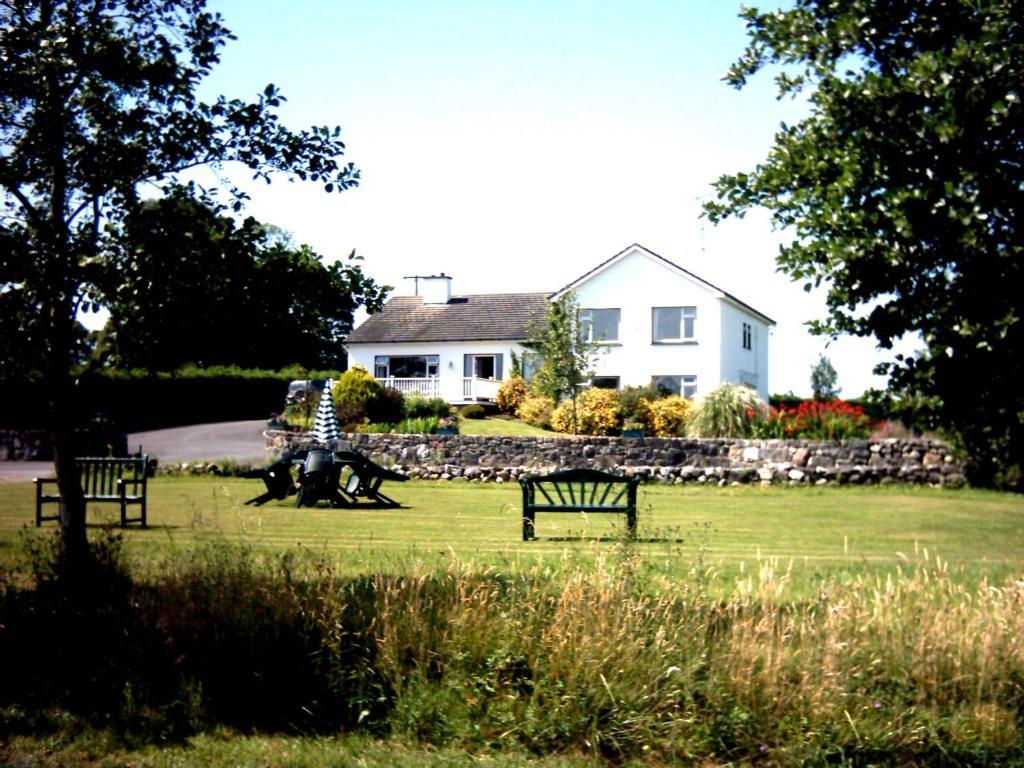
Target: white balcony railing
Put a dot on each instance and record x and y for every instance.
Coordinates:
(479, 389)
(424, 387)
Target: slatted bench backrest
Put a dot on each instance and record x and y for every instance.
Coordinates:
(580, 489)
(100, 475)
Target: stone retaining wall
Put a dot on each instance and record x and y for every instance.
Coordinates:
(670, 460)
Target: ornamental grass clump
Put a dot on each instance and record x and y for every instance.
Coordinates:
(729, 410)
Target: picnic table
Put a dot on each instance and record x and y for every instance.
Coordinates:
(321, 477)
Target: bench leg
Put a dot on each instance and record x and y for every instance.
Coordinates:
(39, 505)
(528, 525)
(631, 522)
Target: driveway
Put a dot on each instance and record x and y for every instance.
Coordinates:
(241, 441)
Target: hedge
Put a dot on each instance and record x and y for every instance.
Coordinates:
(137, 402)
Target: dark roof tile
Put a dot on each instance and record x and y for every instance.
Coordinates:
(480, 317)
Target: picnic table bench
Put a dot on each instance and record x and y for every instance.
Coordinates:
(119, 481)
(578, 490)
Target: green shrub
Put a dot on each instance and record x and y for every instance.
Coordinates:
(536, 410)
(511, 394)
(665, 417)
(356, 385)
(729, 410)
(424, 425)
(417, 406)
(390, 406)
(597, 413)
(473, 411)
(632, 401)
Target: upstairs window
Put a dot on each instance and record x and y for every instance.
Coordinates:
(748, 335)
(600, 324)
(674, 324)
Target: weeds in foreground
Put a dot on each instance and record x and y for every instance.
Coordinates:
(595, 657)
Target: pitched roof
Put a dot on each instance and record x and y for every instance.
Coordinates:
(480, 317)
(670, 264)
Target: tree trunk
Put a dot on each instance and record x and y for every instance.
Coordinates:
(62, 434)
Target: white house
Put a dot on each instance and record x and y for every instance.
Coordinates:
(655, 321)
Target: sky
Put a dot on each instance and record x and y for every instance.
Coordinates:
(515, 145)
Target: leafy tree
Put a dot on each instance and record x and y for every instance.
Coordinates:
(97, 98)
(903, 189)
(565, 353)
(823, 380)
(189, 285)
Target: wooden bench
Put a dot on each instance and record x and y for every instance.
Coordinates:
(104, 480)
(578, 490)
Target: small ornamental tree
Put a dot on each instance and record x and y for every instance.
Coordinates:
(823, 380)
(565, 353)
(98, 98)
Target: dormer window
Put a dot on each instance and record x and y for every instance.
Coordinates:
(600, 324)
(673, 324)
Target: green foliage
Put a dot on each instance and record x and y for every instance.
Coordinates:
(729, 410)
(356, 385)
(420, 406)
(100, 101)
(511, 394)
(562, 346)
(633, 401)
(596, 413)
(536, 657)
(665, 417)
(424, 425)
(473, 411)
(264, 302)
(536, 411)
(902, 189)
(823, 380)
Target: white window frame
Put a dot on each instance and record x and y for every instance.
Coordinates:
(431, 361)
(685, 312)
(587, 324)
(687, 383)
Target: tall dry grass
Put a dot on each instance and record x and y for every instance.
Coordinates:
(913, 666)
(593, 654)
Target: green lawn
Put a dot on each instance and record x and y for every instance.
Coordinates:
(819, 529)
(497, 425)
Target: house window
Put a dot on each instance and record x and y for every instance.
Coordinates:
(405, 366)
(600, 324)
(605, 382)
(686, 386)
(748, 334)
(673, 324)
(530, 363)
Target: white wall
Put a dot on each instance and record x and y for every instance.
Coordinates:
(450, 354)
(634, 285)
(739, 364)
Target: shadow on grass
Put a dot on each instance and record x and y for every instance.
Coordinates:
(612, 539)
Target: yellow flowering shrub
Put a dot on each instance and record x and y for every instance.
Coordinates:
(597, 413)
(666, 417)
(536, 410)
(511, 394)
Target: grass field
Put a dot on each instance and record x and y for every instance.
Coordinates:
(821, 530)
(497, 425)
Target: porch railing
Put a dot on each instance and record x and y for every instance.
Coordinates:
(480, 389)
(424, 387)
